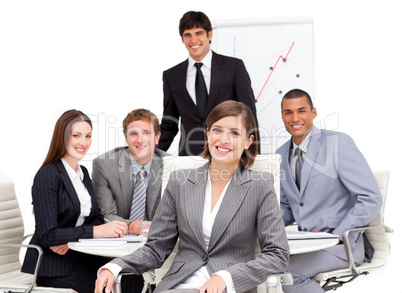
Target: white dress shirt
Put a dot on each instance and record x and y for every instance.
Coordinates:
(192, 71)
(76, 177)
(199, 277)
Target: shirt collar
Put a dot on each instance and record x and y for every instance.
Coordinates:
(206, 61)
(71, 172)
(303, 145)
(137, 166)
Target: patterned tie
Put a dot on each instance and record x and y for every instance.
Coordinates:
(138, 203)
(299, 164)
(201, 93)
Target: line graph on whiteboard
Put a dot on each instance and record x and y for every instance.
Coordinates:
(278, 58)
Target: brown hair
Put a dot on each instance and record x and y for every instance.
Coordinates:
(234, 108)
(141, 114)
(193, 19)
(62, 133)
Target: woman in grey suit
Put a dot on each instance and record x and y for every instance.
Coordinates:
(65, 210)
(218, 211)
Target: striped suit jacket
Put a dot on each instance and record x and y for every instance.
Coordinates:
(248, 211)
(57, 209)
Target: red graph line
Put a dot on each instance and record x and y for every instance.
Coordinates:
(272, 70)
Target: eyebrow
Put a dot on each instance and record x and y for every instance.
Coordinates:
(290, 110)
(233, 128)
(77, 132)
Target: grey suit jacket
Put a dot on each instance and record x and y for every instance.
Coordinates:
(248, 211)
(112, 180)
(337, 192)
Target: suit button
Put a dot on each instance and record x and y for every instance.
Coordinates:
(204, 258)
(301, 204)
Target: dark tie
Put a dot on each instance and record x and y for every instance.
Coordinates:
(298, 167)
(201, 93)
(138, 202)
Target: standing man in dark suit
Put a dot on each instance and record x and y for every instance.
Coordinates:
(190, 93)
(115, 173)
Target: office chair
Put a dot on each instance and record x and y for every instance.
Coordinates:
(376, 234)
(11, 239)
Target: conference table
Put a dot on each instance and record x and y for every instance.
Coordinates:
(297, 245)
(299, 242)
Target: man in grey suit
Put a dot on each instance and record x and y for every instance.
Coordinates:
(115, 173)
(327, 186)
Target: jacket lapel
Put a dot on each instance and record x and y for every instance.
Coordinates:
(194, 189)
(69, 187)
(286, 166)
(181, 79)
(126, 179)
(310, 158)
(234, 197)
(154, 184)
(217, 74)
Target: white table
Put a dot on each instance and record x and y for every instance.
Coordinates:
(296, 247)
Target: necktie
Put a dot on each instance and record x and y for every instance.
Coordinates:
(201, 93)
(138, 202)
(298, 167)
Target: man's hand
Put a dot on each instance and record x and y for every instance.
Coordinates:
(214, 285)
(135, 227)
(106, 278)
(60, 249)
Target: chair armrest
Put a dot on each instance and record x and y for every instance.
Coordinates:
(40, 253)
(26, 237)
(275, 282)
(149, 279)
(348, 249)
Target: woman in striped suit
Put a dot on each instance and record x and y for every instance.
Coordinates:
(65, 210)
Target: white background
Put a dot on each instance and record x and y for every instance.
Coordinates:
(106, 58)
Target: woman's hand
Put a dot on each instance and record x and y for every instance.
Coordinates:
(112, 229)
(214, 285)
(60, 249)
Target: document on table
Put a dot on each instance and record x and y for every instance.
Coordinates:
(299, 235)
(109, 241)
(100, 243)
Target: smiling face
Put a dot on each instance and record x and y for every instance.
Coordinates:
(79, 143)
(227, 139)
(141, 140)
(197, 42)
(298, 117)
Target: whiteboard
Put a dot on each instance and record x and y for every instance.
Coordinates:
(279, 56)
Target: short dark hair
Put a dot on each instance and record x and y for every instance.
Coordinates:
(234, 108)
(192, 19)
(298, 93)
(141, 114)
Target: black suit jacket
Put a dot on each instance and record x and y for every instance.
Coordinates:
(229, 81)
(57, 209)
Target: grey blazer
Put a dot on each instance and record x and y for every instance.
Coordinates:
(113, 183)
(337, 192)
(249, 211)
